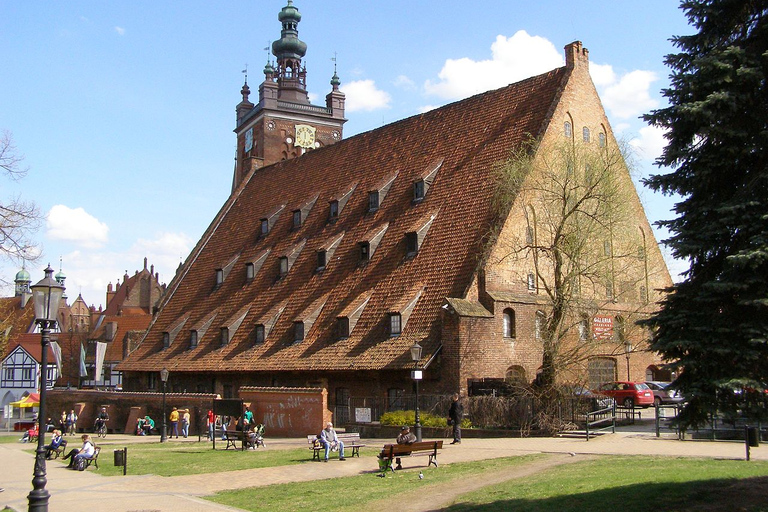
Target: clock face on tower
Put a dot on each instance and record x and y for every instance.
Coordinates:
(305, 136)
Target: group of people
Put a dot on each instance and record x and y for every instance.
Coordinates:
(174, 417)
(68, 422)
(144, 426)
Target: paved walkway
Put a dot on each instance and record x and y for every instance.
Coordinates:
(75, 491)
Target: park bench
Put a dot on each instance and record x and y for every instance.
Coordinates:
(390, 452)
(84, 462)
(351, 441)
(232, 438)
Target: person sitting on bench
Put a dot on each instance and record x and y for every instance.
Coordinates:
(148, 426)
(56, 441)
(330, 441)
(87, 450)
(405, 437)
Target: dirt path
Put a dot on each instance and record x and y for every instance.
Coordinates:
(443, 495)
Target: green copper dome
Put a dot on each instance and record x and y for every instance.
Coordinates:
(23, 275)
(60, 275)
(289, 12)
(289, 46)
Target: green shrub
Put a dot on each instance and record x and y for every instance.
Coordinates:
(399, 418)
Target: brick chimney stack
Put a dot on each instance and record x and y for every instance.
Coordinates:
(576, 55)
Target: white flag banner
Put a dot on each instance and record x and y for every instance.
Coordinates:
(101, 350)
(56, 349)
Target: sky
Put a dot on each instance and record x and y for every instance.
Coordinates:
(124, 110)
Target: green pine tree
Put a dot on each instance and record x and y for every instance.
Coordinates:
(713, 325)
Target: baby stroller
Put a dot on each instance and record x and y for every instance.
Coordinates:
(256, 437)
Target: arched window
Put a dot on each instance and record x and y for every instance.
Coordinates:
(585, 134)
(531, 282)
(601, 139)
(509, 323)
(584, 328)
(619, 334)
(567, 129)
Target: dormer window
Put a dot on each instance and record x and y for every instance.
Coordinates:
(373, 201)
(283, 265)
(224, 336)
(264, 227)
(219, 277)
(418, 191)
(395, 324)
(296, 219)
(365, 251)
(250, 271)
(192, 339)
(259, 334)
(342, 327)
(298, 332)
(411, 243)
(166, 339)
(333, 213)
(321, 257)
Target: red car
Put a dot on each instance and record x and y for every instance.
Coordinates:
(628, 394)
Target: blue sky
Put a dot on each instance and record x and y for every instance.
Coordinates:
(124, 110)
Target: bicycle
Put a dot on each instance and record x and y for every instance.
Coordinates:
(101, 430)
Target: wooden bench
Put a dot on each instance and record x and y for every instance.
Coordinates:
(351, 441)
(233, 436)
(84, 462)
(390, 452)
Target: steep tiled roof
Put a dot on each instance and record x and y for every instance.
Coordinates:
(14, 320)
(31, 343)
(468, 136)
(124, 324)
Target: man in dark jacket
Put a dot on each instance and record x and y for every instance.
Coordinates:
(455, 415)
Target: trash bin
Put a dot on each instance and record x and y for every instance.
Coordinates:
(753, 436)
(119, 458)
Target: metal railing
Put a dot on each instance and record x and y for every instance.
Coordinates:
(601, 417)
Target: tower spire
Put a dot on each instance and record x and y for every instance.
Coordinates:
(289, 50)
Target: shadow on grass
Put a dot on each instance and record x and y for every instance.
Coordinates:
(743, 495)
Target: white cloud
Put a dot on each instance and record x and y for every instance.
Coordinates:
(427, 108)
(650, 143)
(512, 59)
(403, 82)
(627, 96)
(88, 272)
(76, 225)
(120, 31)
(362, 95)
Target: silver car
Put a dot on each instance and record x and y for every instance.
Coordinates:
(663, 394)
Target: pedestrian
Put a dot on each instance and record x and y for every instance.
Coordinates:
(185, 423)
(174, 417)
(455, 415)
(72, 422)
(210, 422)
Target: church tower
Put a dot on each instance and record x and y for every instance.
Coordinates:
(284, 124)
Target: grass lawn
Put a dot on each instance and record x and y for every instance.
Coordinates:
(631, 484)
(608, 483)
(334, 495)
(175, 459)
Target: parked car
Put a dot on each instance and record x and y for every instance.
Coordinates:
(596, 400)
(662, 394)
(628, 394)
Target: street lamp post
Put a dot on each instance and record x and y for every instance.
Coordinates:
(46, 296)
(164, 377)
(416, 376)
(627, 350)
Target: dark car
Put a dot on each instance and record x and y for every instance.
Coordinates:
(628, 394)
(663, 394)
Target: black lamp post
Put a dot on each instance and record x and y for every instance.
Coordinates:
(46, 296)
(164, 377)
(627, 350)
(416, 376)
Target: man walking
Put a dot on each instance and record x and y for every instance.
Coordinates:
(455, 415)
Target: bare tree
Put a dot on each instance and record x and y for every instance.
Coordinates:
(580, 248)
(18, 218)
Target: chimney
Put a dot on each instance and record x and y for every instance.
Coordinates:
(576, 55)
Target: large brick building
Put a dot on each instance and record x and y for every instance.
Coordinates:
(325, 266)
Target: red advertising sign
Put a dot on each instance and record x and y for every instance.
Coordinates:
(602, 327)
